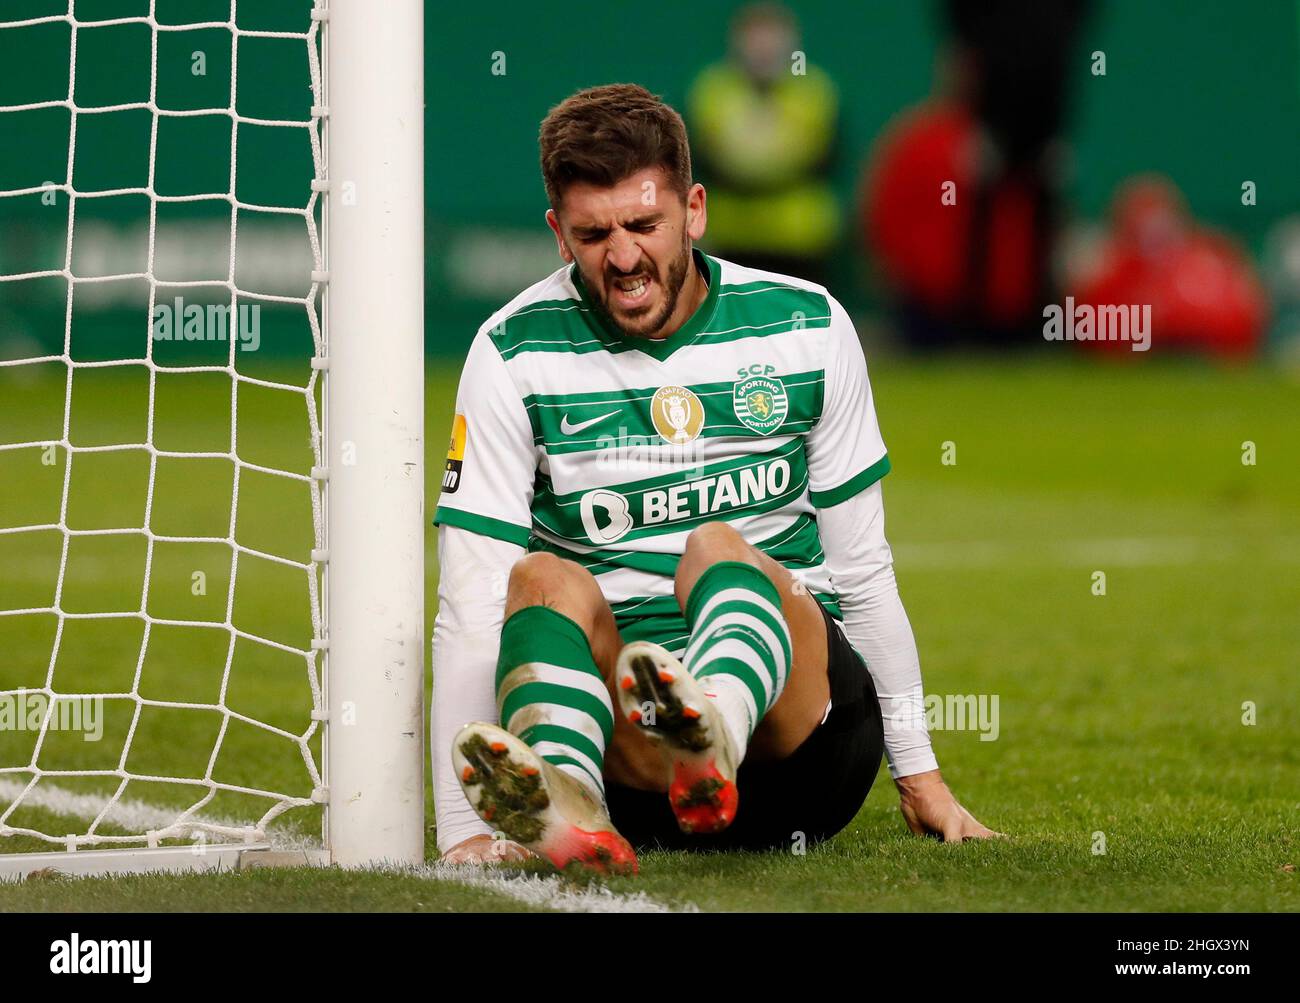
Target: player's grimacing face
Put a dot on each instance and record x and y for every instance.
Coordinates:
(632, 243)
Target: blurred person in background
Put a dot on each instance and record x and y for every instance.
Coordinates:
(1203, 290)
(1281, 268)
(764, 126)
(960, 201)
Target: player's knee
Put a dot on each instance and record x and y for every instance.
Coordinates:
(717, 540)
(533, 573)
(705, 546)
(543, 578)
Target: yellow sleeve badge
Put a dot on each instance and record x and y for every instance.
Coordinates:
(455, 455)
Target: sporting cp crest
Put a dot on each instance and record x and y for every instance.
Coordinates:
(761, 403)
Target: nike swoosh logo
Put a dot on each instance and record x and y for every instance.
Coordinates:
(570, 429)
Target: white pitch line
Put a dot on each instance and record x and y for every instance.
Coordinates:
(129, 813)
(550, 891)
(544, 891)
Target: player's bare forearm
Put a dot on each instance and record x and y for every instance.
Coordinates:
(930, 809)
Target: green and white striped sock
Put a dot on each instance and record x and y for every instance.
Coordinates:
(740, 644)
(551, 694)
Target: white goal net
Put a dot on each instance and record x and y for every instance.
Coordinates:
(165, 472)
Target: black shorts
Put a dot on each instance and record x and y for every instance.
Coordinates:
(815, 791)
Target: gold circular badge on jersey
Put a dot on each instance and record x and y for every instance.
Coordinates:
(677, 414)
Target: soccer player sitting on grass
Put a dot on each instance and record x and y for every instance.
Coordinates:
(662, 544)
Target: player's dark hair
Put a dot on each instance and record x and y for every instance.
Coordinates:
(602, 135)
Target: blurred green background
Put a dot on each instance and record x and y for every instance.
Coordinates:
(1204, 92)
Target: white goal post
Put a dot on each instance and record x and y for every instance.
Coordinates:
(374, 308)
(365, 300)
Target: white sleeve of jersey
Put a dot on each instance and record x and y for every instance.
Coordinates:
(484, 517)
(473, 570)
(844, 449)
(492, 462)
(862, 570)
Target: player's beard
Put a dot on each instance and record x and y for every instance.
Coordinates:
(672, 289)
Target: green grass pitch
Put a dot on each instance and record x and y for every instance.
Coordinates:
(1120, 714)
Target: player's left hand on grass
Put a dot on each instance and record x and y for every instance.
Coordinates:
(929, 809)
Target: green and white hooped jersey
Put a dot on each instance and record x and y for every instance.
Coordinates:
(572, 438)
